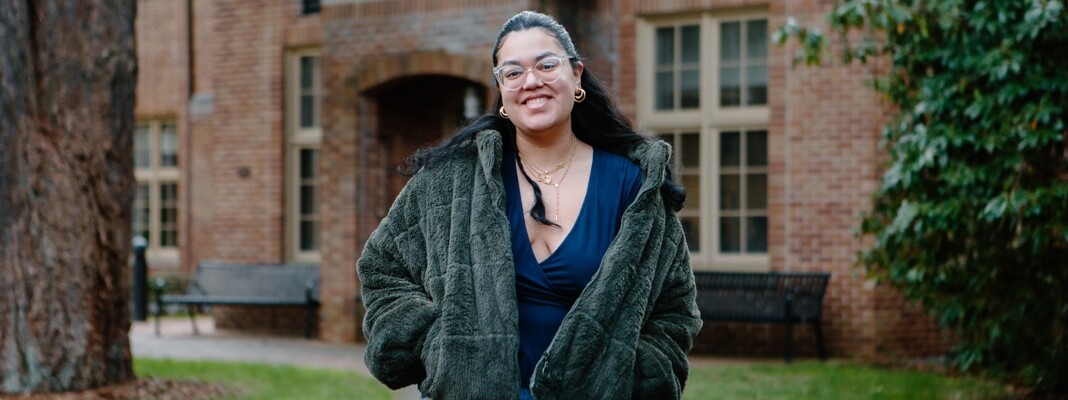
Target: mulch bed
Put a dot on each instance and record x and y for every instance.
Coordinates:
(142, 388)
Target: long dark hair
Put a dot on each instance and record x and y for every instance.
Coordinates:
(596, 121)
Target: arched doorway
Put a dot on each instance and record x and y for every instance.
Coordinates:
(419, 111)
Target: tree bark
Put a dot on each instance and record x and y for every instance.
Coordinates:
(67, 80)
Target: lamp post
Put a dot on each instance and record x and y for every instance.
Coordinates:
(140, 279)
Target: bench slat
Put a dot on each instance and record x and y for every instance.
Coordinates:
(231, 300)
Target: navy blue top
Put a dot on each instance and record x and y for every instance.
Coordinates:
(545, 291)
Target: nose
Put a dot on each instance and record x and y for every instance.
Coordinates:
(530, 75)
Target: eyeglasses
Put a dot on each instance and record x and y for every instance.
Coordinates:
(512, 77)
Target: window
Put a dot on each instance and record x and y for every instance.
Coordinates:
(155, 211)
(702, 87)
(303, 138)
(311, 7)
(678, 75)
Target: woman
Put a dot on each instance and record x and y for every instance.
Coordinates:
(536, 253)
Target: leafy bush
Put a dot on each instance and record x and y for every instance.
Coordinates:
(972, 216)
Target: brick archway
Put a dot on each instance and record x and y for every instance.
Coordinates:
(387, 68)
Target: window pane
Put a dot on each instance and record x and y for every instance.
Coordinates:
(730, 234)
(309, 235)
(142, 147)
(307, 111)
(141, 212)
(730, 92)
(756, 235)
(693, 233)
(730, 41)
(756, 89)
(757, 39)
(690, 150)
(311, 6)
(729, 151)
(691, 89)
(168, 145)
(730, 192)
(665, 90)
(756, 191)
(168, 233)
(308, 163)
(307, 199)
(691, 44)
(168, 193)
(665, 46)
(307, 73)
(692, 184)
(756, 150)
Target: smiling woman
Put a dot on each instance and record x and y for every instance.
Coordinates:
(476, 288)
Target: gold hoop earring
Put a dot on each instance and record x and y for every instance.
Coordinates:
(502, 113)
(580, 95)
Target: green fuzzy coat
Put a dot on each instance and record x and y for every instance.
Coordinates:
(439, 286)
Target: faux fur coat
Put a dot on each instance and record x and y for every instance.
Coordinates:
(439, 286)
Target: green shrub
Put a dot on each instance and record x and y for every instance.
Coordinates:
(972, 216)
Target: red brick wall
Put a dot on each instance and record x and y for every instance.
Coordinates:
(823, 138)
(162, 58)
(411, 36)
(232, 155)
(283, 321)
(163, 87)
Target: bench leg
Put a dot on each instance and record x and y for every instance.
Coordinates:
(788, 316)
(193, 318)
(307, 322)
(819, 340)
(789, 341)
(158, 315)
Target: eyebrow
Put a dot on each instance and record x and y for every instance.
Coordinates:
(538, 58)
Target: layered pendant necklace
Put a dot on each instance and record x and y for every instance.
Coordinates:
(546, 176)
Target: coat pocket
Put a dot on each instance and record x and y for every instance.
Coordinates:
(654, 378)
(431, 355)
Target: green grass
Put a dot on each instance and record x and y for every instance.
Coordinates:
(263, 381)
(800, 380)
(830, 380)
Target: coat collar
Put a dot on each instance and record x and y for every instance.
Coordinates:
(651, 156)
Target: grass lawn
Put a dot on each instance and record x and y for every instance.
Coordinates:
(830, 380)
(264, 381)
(801, 380)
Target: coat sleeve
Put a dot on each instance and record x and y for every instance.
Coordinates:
(661, 365)
(399, 310)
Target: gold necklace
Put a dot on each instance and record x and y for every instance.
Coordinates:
(545, 176)
(557, 186)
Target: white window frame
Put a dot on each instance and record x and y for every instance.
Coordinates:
(155, 176)
(709, 120)
(297, 139)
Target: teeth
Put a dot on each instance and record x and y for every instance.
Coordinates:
(536, 101)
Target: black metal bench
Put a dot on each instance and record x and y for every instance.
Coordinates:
(777, 297)
(225, 284)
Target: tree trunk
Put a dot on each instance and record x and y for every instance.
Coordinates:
(67, 78)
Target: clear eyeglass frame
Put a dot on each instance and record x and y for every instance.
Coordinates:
(547, 70)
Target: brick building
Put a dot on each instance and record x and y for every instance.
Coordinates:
(270, 131)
